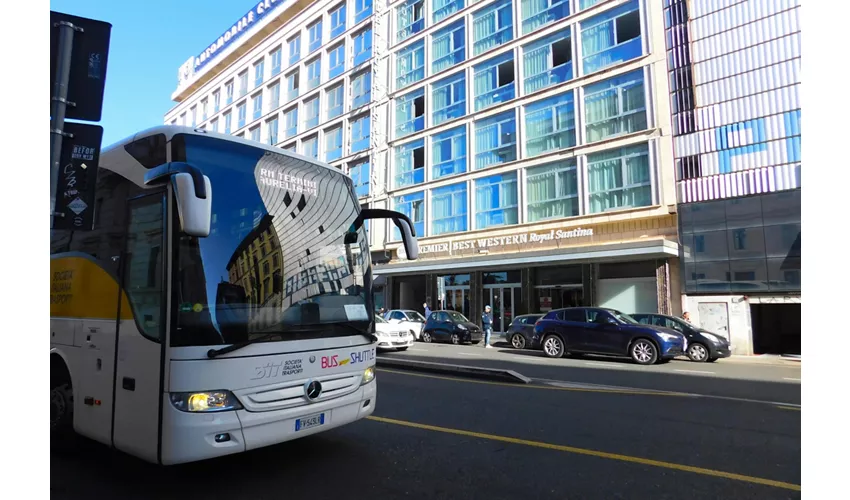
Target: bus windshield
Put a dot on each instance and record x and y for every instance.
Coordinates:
(277, 264)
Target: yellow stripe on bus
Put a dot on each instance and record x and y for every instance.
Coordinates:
(80, 288)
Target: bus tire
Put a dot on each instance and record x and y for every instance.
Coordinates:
(61, 405)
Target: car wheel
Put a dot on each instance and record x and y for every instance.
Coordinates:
(712, 360)
(455, 339)
(643, 352)
(553, 346)
(518, 341)
(426, 337)
(61, 415)
(698, 353)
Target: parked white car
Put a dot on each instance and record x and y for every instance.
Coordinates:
(407, 318)
(392, 336)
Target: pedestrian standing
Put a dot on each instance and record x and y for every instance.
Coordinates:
(487, 325)
(686, 316)
(427, 310)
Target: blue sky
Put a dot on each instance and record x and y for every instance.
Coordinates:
(150, 40)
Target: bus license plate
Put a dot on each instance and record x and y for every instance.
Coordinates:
(308, 422)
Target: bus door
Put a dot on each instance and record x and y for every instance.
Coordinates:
(138, 376)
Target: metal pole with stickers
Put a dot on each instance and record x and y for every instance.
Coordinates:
(78, 54)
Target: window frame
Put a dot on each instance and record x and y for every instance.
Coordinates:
(411, 76)
(409, 148)
(564, 100)
(456, 133)
(565, 167)
(458, 207)
(501, 186)
(403, 32)
(489, 122)
(417, 196)
(492, 9)
(449, 32)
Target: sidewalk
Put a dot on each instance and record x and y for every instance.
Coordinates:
(770, 359)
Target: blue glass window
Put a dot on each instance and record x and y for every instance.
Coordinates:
(277, 56)
(615, 106)
(255, 134)
(336, 62)
(360, 130)
(311, 113)
(258, 106)
(548, 62)
(361, 89)
(448, 209)
(410, 113)
(413, 206)
(310, 147)
(363, 46)
(410, 19)
(228, 122)
(290, 119)
(550, 125)
(611, 37)
(272, 127)
(259, 73)
(338, 21)
(492, 26)
(449, 98)
(619, 178)
(445, 8)
(274, 96)
(410, 164)
(493, 82)
(360, 175)
(294, 50)
(539, 13)
(228, 90)
(496, 201)
(314, 37)
(314, 73)
(292, 83)
(586, 4)
(333, 144)
(335, 101)
(552, 191)
(362, 10)
(242, 111)
(495, 140)
(448, 47)
(448, 152)
(216, 101)
(410, 64)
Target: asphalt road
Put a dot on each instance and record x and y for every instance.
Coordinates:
(439, 437)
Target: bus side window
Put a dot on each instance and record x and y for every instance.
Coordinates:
(143, 271)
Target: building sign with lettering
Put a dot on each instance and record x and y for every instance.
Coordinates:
(500, 243)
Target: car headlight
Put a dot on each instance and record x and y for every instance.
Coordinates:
(368, 375)
(712, 337)
(668, 336)
(462, 328)
(202, 402)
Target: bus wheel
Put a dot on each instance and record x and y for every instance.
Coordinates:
(61, 411)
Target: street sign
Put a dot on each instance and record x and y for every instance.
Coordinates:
(88, 64)
(78, 161)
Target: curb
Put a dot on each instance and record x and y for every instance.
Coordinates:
(452, 369)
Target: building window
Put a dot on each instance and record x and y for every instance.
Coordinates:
(314, 36)
(496, 201)
(410, 64)
(242, 112)
(259, 73)
(410, 113)
(314, 73)
(492, 26)
(449, 98)
(410, 19)
(361, 89)
(336, 61)
(448, 152)
(495, 140)
(494, 81)
(276, 56)
(274, 96)
(338, 21)
(619, 178)
(360, 175)
(194, 113)
(615, 106)
(183, 119)
(335, 101)
(255, 134)
(548, 62)
(228, 92)
(445, 8)
(272, 126)
(204, 105)
(311, 113)
(448, 209)
(552, 191)
(228, 121)
(410, 164)
(538, 13)
(292, 82)
(611, 37)
(294, 49)
(360, 129)
(362, 46)
(216, 101)
(257, 101)
(214, 125)
(290, 147)
(586, 4)
(550, 125)
(333, 144)
(310, 147)
(362, 10)
(448, 46)
(413, 206)
(243, 83)
(290, 120)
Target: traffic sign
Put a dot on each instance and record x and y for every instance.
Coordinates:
(88, 64)
(78, 161)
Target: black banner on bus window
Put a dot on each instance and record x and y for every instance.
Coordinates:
(75, 191)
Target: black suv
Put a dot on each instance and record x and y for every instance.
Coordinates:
(450, 326)
(702, 345)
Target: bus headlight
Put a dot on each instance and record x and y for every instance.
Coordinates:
(368, 375)
(197, 402)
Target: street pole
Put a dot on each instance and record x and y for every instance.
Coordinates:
(58, 105)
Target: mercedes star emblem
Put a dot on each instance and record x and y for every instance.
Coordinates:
(312, 359)
(313, 389)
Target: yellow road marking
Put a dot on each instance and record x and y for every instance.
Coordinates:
(793, 408)
(572, 389)
(594, 453)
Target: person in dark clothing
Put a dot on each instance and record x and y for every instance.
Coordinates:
(487, 325)
(427, 310)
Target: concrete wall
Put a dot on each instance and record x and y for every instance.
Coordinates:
(738, 322)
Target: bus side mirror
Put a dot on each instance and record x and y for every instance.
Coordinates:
(193, 192)
(403, 222)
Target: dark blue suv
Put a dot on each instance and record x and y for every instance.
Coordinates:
(596, 330)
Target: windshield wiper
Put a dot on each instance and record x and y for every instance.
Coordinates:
(239, 345)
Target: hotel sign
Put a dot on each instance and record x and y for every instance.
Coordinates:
(258, 12)
(522, 241)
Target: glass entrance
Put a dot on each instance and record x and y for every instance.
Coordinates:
(501, 299)
(457, 299)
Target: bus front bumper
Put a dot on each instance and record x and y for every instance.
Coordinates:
(189, 437)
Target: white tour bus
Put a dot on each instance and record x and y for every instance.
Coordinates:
(222, 301)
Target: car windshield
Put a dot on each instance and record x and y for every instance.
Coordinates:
(277, 259)
(379, 319)
(415, 316)
(457, 317)
(625, 318)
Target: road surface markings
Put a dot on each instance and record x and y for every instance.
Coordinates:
(606, 365)
(468, 354)
(794, 379)
(592, 453)
(792, 408)
(695, 371)
(415, 349)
